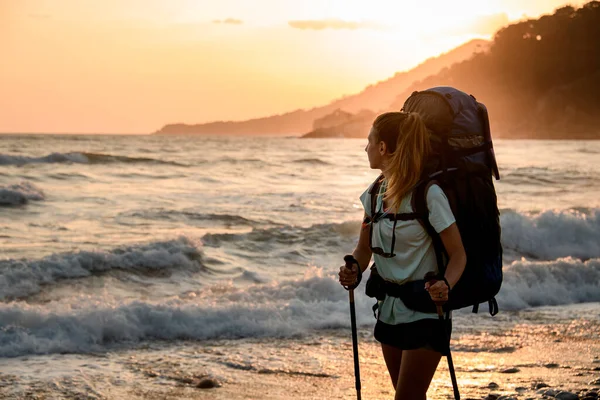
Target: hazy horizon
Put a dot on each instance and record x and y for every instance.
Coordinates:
(129, 67)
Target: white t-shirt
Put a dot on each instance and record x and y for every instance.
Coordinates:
(415, 254)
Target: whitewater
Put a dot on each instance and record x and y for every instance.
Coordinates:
(136, 266)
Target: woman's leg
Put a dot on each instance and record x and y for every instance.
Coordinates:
(392, 356)
(416, 371)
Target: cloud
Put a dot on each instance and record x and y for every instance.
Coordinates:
(332, 23)
(230, 21)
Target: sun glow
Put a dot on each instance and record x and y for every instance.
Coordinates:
(131, 66)
(420, 18)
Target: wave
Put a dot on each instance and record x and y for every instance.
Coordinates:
(543, 283)
(547, 176)
(231, 160)
(278, 309)
(19, 194)
(80, 158)
(23, 278)
(552, 234)
(311, 161)
(545, 236)
(188, 215)
(325, 236)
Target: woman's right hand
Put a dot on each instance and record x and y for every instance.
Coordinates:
(347, 276)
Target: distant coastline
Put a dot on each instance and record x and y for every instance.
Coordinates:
(534, 82)
(376, 97)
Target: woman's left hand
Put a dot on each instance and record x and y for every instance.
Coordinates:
(438, 291)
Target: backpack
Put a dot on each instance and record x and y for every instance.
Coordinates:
(462, 164)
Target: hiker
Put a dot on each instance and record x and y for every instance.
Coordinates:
(412, 342)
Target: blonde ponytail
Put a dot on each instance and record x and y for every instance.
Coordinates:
(407, 141)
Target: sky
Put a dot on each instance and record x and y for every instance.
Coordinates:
(132, 66)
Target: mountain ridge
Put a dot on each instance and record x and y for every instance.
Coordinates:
(374, 97)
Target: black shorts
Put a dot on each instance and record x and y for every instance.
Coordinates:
(424, 333)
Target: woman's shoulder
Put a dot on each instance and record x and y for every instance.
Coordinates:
(371, 191)
(440, 212)
(435, 192)
(379, 182)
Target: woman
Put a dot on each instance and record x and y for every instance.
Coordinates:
(412, 342)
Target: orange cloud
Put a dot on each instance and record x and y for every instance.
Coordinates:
(332, 23)
(231, 21)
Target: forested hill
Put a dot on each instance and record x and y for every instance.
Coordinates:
(540, 78)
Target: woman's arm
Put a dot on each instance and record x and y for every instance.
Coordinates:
(457, 259)
(362, 253)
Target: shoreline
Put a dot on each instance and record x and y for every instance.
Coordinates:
(524, 361)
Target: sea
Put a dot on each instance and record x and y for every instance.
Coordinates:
(147, 266)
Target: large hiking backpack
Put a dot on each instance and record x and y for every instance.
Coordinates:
(462, 164)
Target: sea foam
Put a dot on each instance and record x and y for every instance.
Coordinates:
(552, 234)
(273, 310)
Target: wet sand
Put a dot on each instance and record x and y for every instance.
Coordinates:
(525, 362)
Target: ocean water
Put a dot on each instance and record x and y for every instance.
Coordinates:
(132, 249)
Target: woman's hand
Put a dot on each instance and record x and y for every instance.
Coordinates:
(347, 276)
(438, 291)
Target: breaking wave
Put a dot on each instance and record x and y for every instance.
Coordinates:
(549, 283)
(552, 234)
(273, 310)
(23, 278)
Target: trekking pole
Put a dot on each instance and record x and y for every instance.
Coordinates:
(350, 260)
(440, 313)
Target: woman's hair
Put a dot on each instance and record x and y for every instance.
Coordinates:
(407, 142)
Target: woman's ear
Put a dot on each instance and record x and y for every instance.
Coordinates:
(382, 148)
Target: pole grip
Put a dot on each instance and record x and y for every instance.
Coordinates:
(350, 260)
(431, 278)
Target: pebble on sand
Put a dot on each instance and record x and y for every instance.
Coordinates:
(206, 383)
(567, 396)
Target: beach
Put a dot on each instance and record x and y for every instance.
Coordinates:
(205, 267)
(525, 361)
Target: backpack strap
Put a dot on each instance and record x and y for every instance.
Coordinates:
(376, 216)
(419, 204)
(373, 192)
(492, 305)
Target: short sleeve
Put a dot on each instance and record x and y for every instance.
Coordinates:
(440, 213)
(365, 199)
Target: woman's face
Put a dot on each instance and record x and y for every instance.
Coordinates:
(375, 150)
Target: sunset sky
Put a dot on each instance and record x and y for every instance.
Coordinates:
(131, 66)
